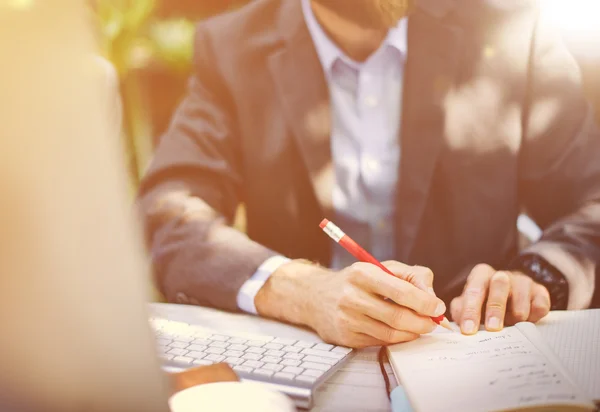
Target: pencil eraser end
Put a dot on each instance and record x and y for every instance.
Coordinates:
(323, 223)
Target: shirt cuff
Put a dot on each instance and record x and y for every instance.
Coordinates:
(248, 291)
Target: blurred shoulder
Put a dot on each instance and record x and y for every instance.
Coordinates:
(490, 12)
(253, 23)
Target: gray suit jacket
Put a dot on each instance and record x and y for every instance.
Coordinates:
(494, 121)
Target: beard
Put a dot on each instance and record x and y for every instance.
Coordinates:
(372, 14)
(391, 11)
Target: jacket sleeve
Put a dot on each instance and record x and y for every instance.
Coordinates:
(190, 194)
(560, 165)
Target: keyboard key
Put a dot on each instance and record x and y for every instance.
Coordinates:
(163, 349)
(216, 351)
(232, 360)
(256, 343)
(199, 348)
(272, 367)
(326, 354)
(234, 353)
(215, 358)
(306, 379)
(285, 342)
(289, 362)
(236, 341)
(180, 345)
(320, 359)
(239, 347)
(290, 355)
(242, 368)
(219, 338)
(202, 362)
(163, 341)
(263, 372)
(256, 350)
(272, 345)
(177, 352)
(203, 342)
(196, 354)
(323, 346)
(313, 372)
(218, 344)
(270, 359)
(186, 339)
(167, 357)
(251, 356)
(183, 359)
(293, 369)
(293, 349)
(253, 364)
(276, 353)
(341, 349)
(285, 376)
(303, 344)
(318, 366)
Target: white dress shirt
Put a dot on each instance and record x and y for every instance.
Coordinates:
(366, 100)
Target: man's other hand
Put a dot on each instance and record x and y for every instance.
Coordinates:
(501, 297)
(348, 307)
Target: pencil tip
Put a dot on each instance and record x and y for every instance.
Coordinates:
(446, 325)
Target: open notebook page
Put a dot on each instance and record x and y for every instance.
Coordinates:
(575, 337)
(446, 371)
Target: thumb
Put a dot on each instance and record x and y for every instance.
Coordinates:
(419, 276)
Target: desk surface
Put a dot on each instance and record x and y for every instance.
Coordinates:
(357, 387)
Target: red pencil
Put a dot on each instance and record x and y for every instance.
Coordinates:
(362, 255)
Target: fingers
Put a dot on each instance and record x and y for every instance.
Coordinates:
(473, 297)
(383, 332)
(456, 307)
(372, 279)
(540, 303)
(419, 276)
(394, 316)
(499, 290)
(520, 298)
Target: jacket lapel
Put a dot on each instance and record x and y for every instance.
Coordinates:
(432, 65)
(304, 98)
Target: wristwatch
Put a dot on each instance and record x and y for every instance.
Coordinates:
(544, 273)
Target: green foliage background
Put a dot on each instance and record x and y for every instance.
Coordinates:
(150, 44)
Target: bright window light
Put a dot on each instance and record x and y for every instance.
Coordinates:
(573, 15)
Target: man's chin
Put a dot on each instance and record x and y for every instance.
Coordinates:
(395, 10)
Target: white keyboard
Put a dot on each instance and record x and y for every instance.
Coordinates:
(291, 366)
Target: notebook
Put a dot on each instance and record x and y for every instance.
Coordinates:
(575, 338)
(503, 371)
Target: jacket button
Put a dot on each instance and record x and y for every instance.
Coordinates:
(181, 298)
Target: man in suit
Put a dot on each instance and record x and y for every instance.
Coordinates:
(422, 129)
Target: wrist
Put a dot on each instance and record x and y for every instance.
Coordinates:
(542, 272)
(286, 294)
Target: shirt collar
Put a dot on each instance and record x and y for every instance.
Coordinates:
(329, 52)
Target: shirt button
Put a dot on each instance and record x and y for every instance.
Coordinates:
(371, 101)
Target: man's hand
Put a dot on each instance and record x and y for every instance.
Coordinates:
(503, 297)
(348, 307)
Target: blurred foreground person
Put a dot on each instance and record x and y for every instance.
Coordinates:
(72, 290)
